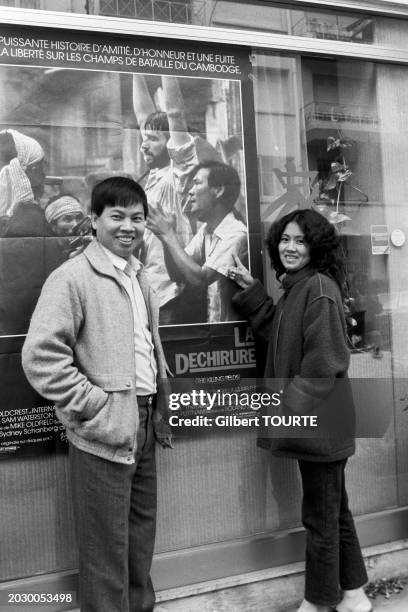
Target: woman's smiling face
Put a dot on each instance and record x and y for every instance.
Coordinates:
(294, 253)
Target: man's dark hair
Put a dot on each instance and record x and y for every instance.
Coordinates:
(222, 175)
(320, 236)
(117, 191)
(158, 122)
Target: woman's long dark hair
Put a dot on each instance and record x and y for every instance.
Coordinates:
(320, 236)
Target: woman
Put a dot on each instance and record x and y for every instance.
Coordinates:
(306, 347)
(21, 172)
(25, 253)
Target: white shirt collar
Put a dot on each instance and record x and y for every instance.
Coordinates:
(120, 262)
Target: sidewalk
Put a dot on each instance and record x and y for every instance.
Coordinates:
(396, 603)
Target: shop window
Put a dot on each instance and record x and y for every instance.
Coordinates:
(323, 150)
(339, 153)
(329, 135)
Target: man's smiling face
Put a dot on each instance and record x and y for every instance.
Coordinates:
(120, 229)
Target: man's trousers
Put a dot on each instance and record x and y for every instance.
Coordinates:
(115, 516)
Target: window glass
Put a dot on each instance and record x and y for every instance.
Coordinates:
(330, 134)
(327, 138)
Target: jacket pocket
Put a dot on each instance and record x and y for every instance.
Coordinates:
(115, 423)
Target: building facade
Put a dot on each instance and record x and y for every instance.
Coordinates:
(308, 104)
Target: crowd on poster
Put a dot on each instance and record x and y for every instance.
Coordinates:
(42, 223)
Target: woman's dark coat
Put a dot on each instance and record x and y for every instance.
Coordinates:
(307, 358)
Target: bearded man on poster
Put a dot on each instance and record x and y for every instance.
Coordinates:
(93, 349)
(169, 152)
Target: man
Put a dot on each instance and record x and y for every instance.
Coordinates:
(170, 154)
(93, 348)
(205, 260)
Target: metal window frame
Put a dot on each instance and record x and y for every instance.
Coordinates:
(248, 38)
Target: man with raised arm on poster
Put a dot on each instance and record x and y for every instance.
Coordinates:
(169, 152)
(93, 349)
(204, 262)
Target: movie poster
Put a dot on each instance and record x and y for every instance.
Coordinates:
(74, 110)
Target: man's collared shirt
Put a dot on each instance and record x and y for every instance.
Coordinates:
(215, 251)
(146, 367)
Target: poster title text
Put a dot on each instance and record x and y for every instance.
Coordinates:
(43, 49)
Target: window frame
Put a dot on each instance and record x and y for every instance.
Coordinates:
(248, 38)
